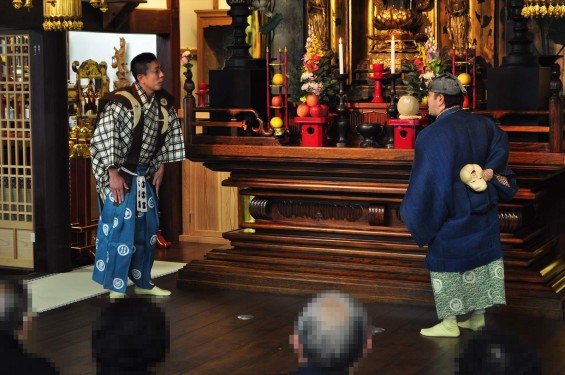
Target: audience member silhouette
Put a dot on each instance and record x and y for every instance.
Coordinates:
(496, 353)
(15, 321)
(331, 334)
(130, 337)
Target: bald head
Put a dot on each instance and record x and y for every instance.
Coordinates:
(332, 331)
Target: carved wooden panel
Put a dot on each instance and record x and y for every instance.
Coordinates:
(327, 212)
(319, 211)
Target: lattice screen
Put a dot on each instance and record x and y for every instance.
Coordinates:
(16, 204)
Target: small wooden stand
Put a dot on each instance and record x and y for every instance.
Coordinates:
(279, 66)
(313, 130)
(466, 66)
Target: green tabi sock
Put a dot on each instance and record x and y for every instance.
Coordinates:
(114, 295)
(476, 322)
(155, 291)
(445, 328)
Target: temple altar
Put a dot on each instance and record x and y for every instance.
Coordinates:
(318, 218)
(321, 219)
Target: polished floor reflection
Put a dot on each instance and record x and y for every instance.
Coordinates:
(207, 338)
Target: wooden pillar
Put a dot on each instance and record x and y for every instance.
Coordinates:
(50, 136)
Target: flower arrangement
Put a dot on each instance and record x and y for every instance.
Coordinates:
(186, 59)
(425, 67)
(316, 76)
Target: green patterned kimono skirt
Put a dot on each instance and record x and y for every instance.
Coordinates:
(457, 293)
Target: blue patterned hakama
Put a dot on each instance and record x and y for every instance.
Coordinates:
(126, 239)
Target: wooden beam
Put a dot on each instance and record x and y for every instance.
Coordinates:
(117, 14)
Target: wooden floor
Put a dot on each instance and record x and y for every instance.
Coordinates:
(207, 338)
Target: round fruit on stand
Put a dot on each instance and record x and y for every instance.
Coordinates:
(464, 78)
(303, 110)
(316, 111)
(312, 100)
(276, 101)
(276, 122)
(325, 110)
(278, 79)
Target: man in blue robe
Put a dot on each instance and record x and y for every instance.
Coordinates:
(456, 219)
(137, 132)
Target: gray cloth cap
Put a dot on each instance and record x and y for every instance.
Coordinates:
(448, 84)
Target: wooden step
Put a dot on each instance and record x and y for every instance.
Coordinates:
(518, 262)
(210, 274)
(534, 248)
(386, 264)
(226, 275)
(319, 266)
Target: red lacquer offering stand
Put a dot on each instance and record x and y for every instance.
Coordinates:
(378, 76)
(314, 130)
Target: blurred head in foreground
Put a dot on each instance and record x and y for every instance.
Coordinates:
(14, 308)
(497, 353)
(15, 322)
(131, 334)
(332, 333)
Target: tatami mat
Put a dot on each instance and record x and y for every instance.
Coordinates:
(50, 292)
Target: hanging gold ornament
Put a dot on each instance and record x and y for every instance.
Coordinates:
(103, 6)
(543, 8)
(63, 15)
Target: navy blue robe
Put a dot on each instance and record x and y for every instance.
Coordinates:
(460, 226)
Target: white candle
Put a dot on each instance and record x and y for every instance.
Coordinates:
(340, 57)
(392, 58)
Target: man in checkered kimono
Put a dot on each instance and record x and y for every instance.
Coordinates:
(137, 132)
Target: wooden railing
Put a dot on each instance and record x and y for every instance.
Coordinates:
(548, 123)
(551, 126)
(232, 119)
